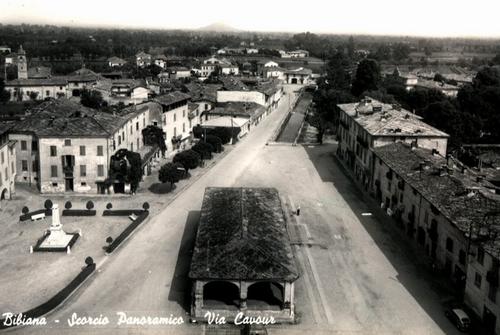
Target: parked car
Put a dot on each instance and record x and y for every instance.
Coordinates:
(459, 318)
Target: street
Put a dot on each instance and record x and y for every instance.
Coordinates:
(355, 278)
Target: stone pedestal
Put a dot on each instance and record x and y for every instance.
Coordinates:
(57, 238)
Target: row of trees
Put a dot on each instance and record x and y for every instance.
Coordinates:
(190, 159)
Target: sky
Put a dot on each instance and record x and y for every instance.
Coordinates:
(441, 18)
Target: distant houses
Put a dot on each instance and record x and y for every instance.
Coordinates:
(116, 62)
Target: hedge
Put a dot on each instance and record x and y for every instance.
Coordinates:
(122, 212)
(58, 298)
(127, 231)
(27, 216)
(78, 212)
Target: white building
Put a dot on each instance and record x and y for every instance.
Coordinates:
(7, 164)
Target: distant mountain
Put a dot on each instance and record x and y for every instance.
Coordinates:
(219, 27)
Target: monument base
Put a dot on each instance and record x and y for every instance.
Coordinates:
(59, 241)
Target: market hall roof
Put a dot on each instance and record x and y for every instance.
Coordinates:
(242, 235)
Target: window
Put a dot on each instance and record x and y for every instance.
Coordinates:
(6, 173)
(131, 130)
(175, 131)
(53, 171)
(47, 93)
(183, 113)
(34, 145)
(83, 170)
(82, 150)
(54, 184)
(137, 125)
(24, 145)
(206, 107)
(461, 257)
(67, 143)
(53, 151)
(175, 117)
(119, 140)
(449, 244)
(2, 158)
(35, 165)
(99, 150)
(100, 170)
(477, 280)
(183, 127)
(24, 165)
(83, 183)
(480, 256)
(1, 182)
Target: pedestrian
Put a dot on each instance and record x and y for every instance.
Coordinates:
(298, 210)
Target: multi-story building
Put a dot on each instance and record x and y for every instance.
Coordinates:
(370, 124)
(267, 93)
(175, 119)
(450, 213)
(7, 163)
(65, 147)
(143, 59)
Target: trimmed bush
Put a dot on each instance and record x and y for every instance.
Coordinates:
(127, 231)
(145, 206)
(48, 204)
(109, 205)
(215, 141)
(25, 210)
(122, 212)
(90, 205)
(204, 149)
(79, 212)
(189, 159)
(89, 261)
(68, 205)
(109, 240)
(169, 173)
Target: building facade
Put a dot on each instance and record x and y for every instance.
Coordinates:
(7, 164)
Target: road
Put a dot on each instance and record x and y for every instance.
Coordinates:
(354, 277)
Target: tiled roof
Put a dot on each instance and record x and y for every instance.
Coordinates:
(269, 87)
(237, 108)
(66, 118)
(242, 236)
(5, 126)
(171, 98)
(387, 120)
(233, 84)
(55, 81)
(200, 92)
(456, 194)
(115, 59)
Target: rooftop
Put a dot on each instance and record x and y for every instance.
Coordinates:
(66, 118)
(458, 195)
(172, 98)
(39, 72)
(233, 84)
(380, 119)
(249, 225)
(54, 81)
(199, 91)
(238, 109)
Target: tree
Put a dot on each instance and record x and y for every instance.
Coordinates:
(109, 205)
(337, 72)
(89, 261)
(126, 166)
(189, 159)
(89, 205)
(169, 173)
(145, 206)
(4, 95)
(25, 210)
(215, 141)
(367, 77)
(319, 123)
(33, 95)
(91, 98)
(153, 135)
(400, 52)
(224, 133)
(68, 205)
(204, 149)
